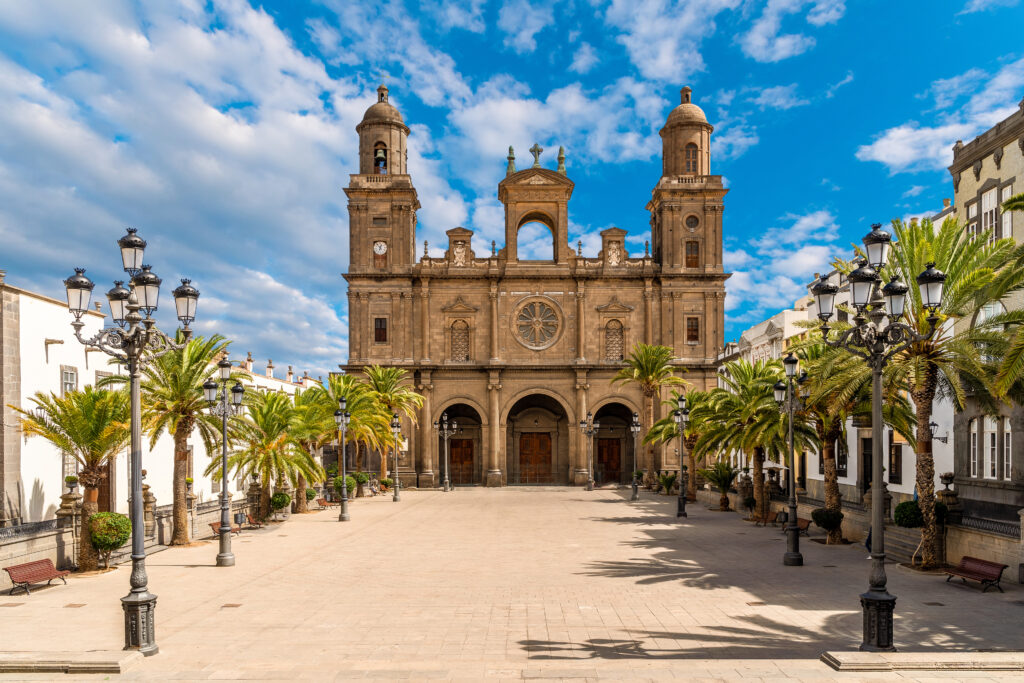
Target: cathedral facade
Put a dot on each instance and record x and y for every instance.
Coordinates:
(518, 351)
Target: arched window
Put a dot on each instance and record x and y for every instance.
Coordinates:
(380, 159)
(691, 158)
(460, 340)
(613, 341)
(535, 242)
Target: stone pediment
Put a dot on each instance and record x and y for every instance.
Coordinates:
(536, 176)
(459, 306)
(614, 306)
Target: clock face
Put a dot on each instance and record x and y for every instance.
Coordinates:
(380, 248)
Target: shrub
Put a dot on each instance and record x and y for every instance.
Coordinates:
(387, 482)
(908, 514)
(829, 520)
(310, 495)
(349, 482)
(639, 474)
(71, 480)
(361, 477)
(188, 480)
(109, 531)
(720, 475)
(280, 500)
(749, 502)
(667, 480)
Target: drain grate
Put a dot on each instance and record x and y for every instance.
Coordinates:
(73, 605)
(756, 603)
(829, 566)
(231, 604)
(935, 604)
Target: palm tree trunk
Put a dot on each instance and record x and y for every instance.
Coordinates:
(923, 397)
(691, 476)
(264, 501)
(300, 496)
(760, 504)
(832, 497)
(179, 517)
(88, 557)
(649, 463)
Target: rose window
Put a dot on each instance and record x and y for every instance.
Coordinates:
(537, 324)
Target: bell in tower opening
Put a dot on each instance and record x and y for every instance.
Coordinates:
(380, 159)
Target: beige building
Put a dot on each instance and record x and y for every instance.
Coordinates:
(518, 351)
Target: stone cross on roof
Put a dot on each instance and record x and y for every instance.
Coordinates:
(536, 151)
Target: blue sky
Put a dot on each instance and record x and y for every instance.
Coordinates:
(224, 131)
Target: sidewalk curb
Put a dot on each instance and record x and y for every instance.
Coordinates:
(924, 661)
(96, 662)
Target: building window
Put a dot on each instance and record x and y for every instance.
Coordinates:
(460, 340)
(842, 458)
(1007, 442)
(613, 341)
(1007, 217)
(895, 461)
(692, 330)
(380, 330)
(692, 254)
(974, 448)
(992, 452)
(691, 158)
(68, 379)
(69, 465)
(989, 202)
(100, 374)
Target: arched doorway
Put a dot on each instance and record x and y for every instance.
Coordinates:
(613, 445)
(465, 447)
(537, 442)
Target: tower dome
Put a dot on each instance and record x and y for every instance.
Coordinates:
(687, 112)
(686, 140)
(382, 110)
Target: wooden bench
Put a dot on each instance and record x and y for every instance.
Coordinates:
(235, 529)
(988, 573)
(253, 522)
(34, 572)
(772, 518)
(324, 503)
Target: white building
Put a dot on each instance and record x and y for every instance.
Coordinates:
(39, 352)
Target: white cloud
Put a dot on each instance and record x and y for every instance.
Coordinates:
(912, 146)
(830, 92)
(946, 91)
(585, 59)
(914, 191)
(732, 140)
(982, 5)
(765, 41)
(521, 21)
(466, 14)
(663, 37)
(779, 97)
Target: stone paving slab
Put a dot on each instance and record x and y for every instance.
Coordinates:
(516, 583)
(924, 661)
(108, 662)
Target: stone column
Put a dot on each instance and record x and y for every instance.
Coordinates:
(407, 323)
(581, 294)
(648, 313)
(493, 296)
(580, 472)
(10, 395)
(396, 334)
(426, 433)
(148, 510)
(425, 321)
(493, 477)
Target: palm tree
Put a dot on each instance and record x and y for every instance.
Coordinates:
(312, 425)
(721, 475)
(665, 430)
(267, 448)
(956, 357)
(370, 423)
(172, 401)
(1014, 203)
(391, 392)
(92, 426)
(650, 367)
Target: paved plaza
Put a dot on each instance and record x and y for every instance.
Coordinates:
(514, 583)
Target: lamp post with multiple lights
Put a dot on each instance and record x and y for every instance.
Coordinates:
(225, 407)
(342, 419)
(396, 429)
(786, 398)
(635, 427)
(588, 428)
(681, 416)
(445, 431)
(135, 341)
(876, 336)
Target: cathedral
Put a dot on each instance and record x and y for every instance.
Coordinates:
(518, 351)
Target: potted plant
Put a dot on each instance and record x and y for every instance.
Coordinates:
(279, 501)
(946, 478)
(386, 483)
(362, 478)
(72, 481)
(666, 481)
(188, 484)
(109, 531)
(721, 475)
(310, 495)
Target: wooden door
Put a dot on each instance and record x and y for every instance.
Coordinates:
(460, 454)
(104, 492)
(608, 464)
(534, 458)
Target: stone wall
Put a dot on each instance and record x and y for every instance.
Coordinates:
(1006, 550)
(37, 542)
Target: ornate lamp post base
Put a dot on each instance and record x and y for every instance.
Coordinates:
(878, 607)
(343, 514)
(636, 490)
(793, 560)
(139, 628)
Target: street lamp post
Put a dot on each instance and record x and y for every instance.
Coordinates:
(634, 427)
(876, 344)
(342, 418)
(135, 341)
(786, 398)
(220, 404)
(446, 431)
(396, 429)
(681, 416)
(588, 428)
